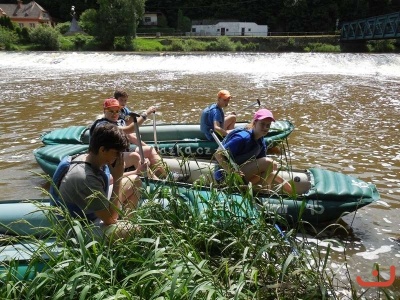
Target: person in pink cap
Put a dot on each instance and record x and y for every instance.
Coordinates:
(213, 117)
(247, 148)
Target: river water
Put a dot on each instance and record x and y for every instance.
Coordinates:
(346, 109)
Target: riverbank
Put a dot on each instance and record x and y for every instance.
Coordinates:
(309, 43)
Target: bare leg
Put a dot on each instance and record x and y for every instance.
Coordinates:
(264, 171)
(155, 160)
(229, 122)
(130, 192)
(131, 159)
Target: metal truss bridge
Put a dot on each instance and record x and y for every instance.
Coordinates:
(373, 28)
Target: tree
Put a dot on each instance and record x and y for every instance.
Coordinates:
(118, 18)
(7, 38)
(45, 38)
(87, 21)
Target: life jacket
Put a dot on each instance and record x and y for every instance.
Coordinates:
(248, 150)
(62, 169)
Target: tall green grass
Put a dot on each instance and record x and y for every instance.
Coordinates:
(204, 247)
(183, 250)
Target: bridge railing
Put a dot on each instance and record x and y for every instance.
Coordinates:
(374, 28)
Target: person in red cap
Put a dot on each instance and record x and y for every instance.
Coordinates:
(112, 110)
(213, 117)
(247, 148)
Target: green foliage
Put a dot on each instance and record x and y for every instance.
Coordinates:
(184, 23)
(117, 18)
(321, 47)
(23, 34)
(187, 45)
(6, 22)
(63, 27)
(382, 46)
(77, 42)
(213, 250)
(87, 21)
(123, 44)
(45, 38)
(145, 44)
(7, 38)
(162, 21)
(247, 47)
(222, 43)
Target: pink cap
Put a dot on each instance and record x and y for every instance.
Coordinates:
(262, 114)
(111, 102)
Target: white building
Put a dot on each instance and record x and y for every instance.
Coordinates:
(231, 29)
(150, 18)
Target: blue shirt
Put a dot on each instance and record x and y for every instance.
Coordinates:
(209, 115)
(124, 113)
(242, 146)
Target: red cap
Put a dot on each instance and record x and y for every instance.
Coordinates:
(111, 102)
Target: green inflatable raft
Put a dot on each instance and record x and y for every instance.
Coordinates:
(170, 139)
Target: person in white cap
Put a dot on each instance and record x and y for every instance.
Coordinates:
(247, 148)
(213, 117)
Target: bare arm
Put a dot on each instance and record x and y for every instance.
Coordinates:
(110, 214)
(131, 127)
(219, 129)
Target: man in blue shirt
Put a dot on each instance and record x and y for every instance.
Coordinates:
(213, 117)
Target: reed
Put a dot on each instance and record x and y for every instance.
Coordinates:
(213, 250)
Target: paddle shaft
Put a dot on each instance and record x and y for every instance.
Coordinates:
(141, 153)
(231, 161)
(155, 131)
(250, 105)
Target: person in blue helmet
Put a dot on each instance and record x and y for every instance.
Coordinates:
(247, 148)
(213, 117)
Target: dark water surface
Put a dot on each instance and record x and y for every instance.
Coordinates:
(346, 109)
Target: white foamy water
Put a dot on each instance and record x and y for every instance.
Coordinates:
(259, 64)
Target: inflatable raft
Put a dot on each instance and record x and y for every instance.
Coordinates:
(170, 139)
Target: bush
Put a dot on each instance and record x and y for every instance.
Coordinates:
(320, 47)
(122, 44)
(7, 38)
(223, 43)
(87, 21)
(381, 46)
(187, 45)
(45, 38)
(63, 28)
(77, 42)
(143, 44)
(249, 47)
(23, 34)
(7, 23)
(178, 45)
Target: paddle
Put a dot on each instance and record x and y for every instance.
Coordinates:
(155, 131)
(231, 161)
(250, 105)
(142, 159)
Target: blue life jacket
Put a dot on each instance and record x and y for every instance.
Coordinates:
(61, 171)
